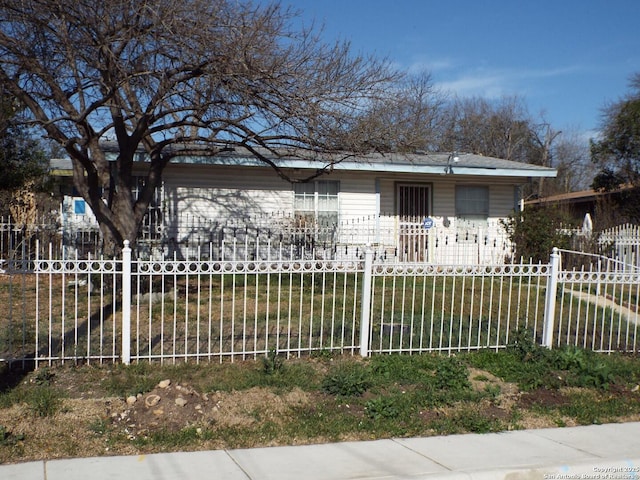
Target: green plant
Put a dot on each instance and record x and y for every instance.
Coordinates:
(382, 407)
(493, 391)
(572, 358)
(346, 379)
(272, 363)
(44, 401)
(523, 345)
(585, 368)
(473, 420)
(44, 376)
(7, 438)
(99, 426)
(452, 374)
(536, 231)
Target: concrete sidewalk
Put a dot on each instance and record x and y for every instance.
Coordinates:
(609, 451)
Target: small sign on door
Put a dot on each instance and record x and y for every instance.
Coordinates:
(427, 223)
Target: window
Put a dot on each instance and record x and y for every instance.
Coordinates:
(317, 202)
(472, 202)
(79, 207)
(151, 226)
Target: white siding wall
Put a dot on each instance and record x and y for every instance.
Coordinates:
(225, 193)
(228, 194)
(196, 198)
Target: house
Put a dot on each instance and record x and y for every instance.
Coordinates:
(588, 203)
(411, 207)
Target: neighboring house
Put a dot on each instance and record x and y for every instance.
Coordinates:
(584, 202)
(418, 207)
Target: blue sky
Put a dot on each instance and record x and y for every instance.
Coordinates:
(565, 58)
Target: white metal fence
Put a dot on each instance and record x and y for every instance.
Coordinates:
(270, 235)
(171, 310)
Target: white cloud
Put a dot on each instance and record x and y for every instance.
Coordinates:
(431, 66)
(494, 83)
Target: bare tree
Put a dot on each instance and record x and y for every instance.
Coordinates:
(499, 128)
(571, 158)
(408, 119)
(175, 78)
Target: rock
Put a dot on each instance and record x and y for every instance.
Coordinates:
(131, 399)
(159, 411)
(181, 402)
(152, 400)
(164, 383)
(636, 388)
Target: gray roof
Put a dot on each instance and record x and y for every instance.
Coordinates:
(426, 163)
(418, 163)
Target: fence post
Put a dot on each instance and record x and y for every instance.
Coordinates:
(365, 317)
(126, 303)
(550, 300)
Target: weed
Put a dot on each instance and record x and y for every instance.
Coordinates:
(468, 419)
(493, 391)
(272, 363)
(525, 347)
(44, 401)
(347, 379)
(571, 358)
(99, 426)
(452, 374)
(44, 377)
(593, 408)
(7, 438)
(473, 420)
(585, 368)
(399, 387)
(325, 354)
(382, 407)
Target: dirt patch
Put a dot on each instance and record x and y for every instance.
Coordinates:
(174, 407)
(543, 397)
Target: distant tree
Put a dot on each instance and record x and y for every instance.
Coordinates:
(571, 158)
(617, 151)
(177, 78)
(501, 128)
(22, 159)
(407, 120)
(504, 129)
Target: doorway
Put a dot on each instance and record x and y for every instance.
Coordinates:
(413, 204)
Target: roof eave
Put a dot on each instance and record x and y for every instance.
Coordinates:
(292, 163)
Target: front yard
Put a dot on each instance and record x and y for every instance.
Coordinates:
(71, 411)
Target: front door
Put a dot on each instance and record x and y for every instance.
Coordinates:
(413, 206)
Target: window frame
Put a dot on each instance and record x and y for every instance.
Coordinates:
(472, 202)
(321, 193)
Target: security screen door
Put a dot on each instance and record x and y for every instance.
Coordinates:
(413, 206)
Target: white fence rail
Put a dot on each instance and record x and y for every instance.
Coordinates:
(270, 236)
(171, 310)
